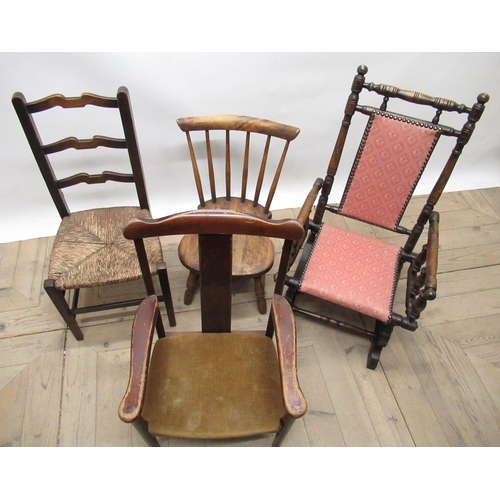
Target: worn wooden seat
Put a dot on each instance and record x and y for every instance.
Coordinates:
(353, 269)
(253, 256)
(89, 249)
(216, 383)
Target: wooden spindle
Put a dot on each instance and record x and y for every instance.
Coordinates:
(244, 178)
(276, 178)
(196, 172)
(228, 167)
(262, 171)
(211, 174)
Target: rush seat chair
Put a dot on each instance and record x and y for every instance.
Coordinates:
(233, 140)
(89, 249)
(353, 269)
(214, 383)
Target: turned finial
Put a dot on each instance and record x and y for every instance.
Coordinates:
(483, 98)
(362, 69)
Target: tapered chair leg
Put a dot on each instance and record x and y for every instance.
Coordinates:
(57, 297)
(142, 428)
(260, 293)
(285, 425)
(167, 294)
(191, 284)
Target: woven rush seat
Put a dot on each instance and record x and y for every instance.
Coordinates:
(354, 271)
(90, 250)
(233, 388)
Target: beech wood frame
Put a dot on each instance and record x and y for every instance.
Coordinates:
(422, 272)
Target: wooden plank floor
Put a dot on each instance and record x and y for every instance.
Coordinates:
(439, 386)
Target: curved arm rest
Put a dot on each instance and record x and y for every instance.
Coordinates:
(309, 202)
(422, 282)
(432, 257)
(142, 336)
(284, 324)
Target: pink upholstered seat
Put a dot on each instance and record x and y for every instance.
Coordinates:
(353, 270)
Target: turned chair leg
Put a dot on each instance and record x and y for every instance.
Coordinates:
(261, 294)
(191, 284)
(57, 297)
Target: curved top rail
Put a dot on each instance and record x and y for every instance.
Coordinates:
(213, 222)
(237, 122)
(54, 100)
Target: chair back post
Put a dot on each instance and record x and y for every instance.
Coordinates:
(215, 282)
(127, 119)
(350, 109)
(463, 138)
(35, 142)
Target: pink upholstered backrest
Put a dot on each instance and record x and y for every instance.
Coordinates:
(389, 163)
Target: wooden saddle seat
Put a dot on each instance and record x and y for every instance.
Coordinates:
(253, 256)
(215, 383)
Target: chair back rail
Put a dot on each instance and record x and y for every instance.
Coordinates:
(462, 136)
(232, 124)
(41, 151)
(215, 229)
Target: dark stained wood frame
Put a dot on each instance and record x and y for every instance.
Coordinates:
(245, 204)
(41, 152)
(216, 228)
(422, 282)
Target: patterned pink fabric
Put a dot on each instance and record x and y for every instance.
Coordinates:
(388, 168)
(353, 271)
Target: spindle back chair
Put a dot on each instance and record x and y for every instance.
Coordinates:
(358, 271)
(89, 249)
(229, 186)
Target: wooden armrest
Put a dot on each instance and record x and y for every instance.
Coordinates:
(284, 325)
(142, 337)
(422, 281)
(430, 286)
(309, 202)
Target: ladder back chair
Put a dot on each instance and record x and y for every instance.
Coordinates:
(253, 255)
(352, 269)
(216, 383)
(89, 249)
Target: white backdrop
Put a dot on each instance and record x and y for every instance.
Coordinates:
(307, 90)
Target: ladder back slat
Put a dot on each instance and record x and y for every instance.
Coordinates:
(95, 142)
(71, 102)
(94, 179)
